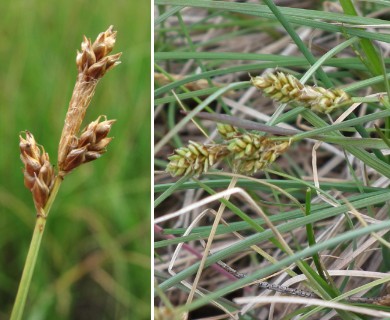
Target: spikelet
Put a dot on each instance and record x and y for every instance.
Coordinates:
(252, 152)
(90, 145)
(38, 172)
(279, 86)
(249, 152)
(227, 131)
(323, 100)
(286, 88)
(92, 63)
(195, 159)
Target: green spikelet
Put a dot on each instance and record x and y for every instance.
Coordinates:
(253, 152)
(279, 86)
(323, 100)
(286, 88)
(227, 131)
(249, 153)
(195, 159)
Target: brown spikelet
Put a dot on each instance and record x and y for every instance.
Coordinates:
(286, 88)
(90, 145)
(93, 60)
(92, 63)
(38, 172)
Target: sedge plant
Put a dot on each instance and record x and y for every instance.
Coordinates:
(75, 148)
(277, 184)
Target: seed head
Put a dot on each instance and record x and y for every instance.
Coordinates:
(93, 60)
(92, 63)
(279, 86)
(195, 159)
(38, 172)
(250, 165)
(252, 152)
(91, 144)
(104, 43)
(286, 88)
(227, 131)
(249, 153)
(323, 100)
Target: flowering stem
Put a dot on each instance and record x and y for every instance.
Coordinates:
(246, 124)
(28, 270)
(92, 63)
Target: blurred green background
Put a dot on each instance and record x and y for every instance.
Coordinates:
(94, 261)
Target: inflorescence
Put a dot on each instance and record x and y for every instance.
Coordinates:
(248, 152)
(251, 152)
(286, 88)
(74, 148)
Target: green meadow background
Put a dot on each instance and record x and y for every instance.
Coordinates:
(94, 261)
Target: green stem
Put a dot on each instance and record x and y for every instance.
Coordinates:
(28, 270)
